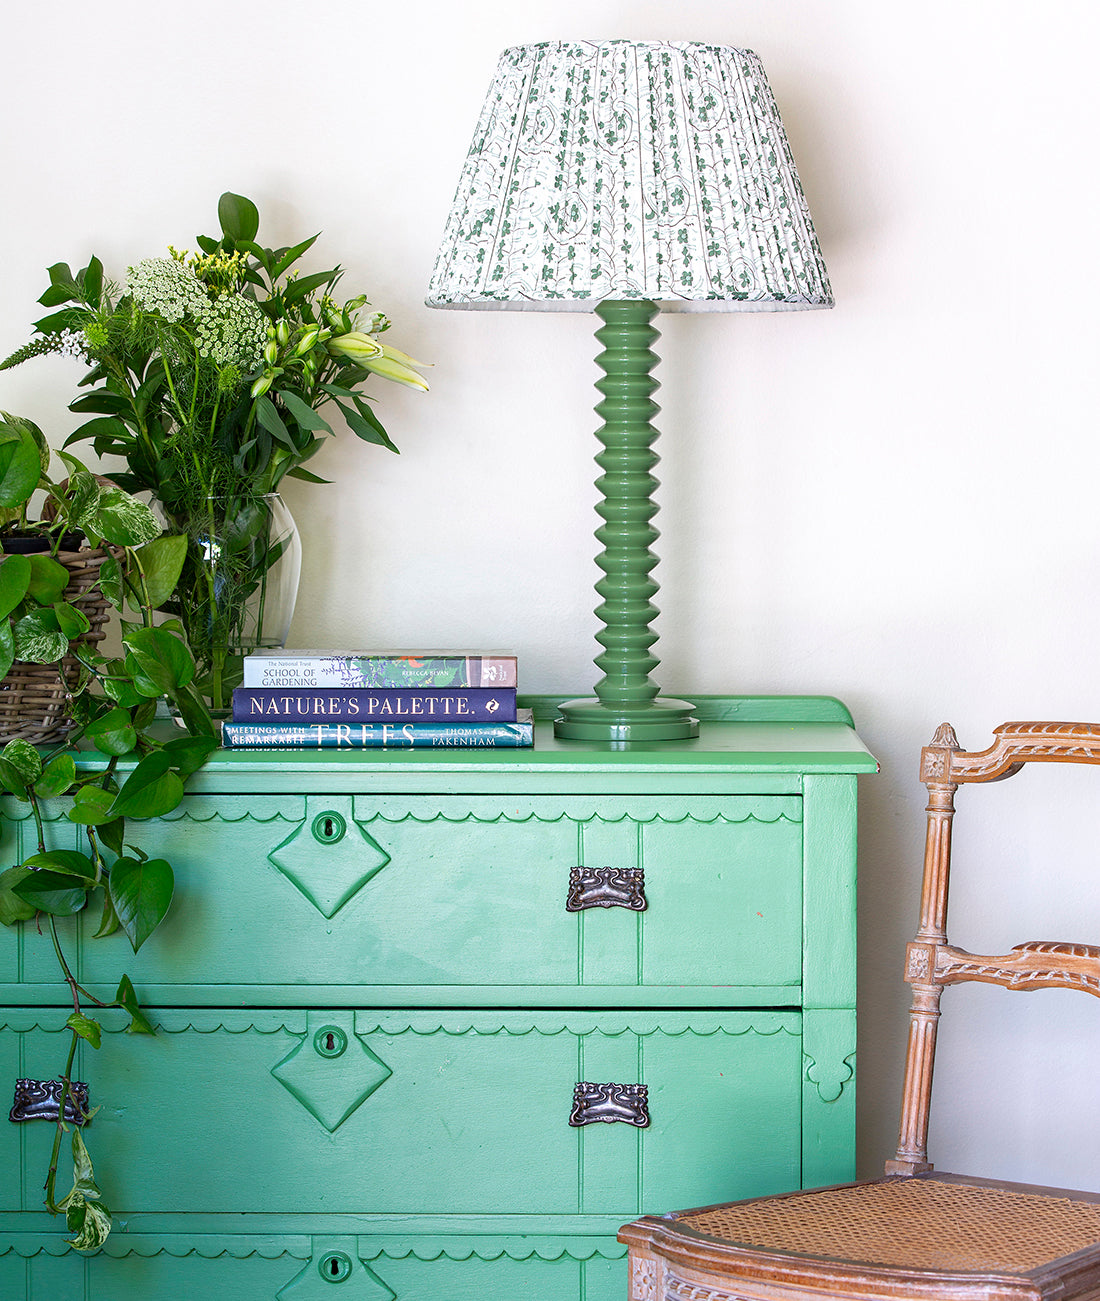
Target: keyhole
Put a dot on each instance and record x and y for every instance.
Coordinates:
(330, 1041)
(334, 1267)
(328, 827)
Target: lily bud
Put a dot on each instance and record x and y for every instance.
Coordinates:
(358, 346)
(306, 342)
(395, 354)
(391, 368)
(271, 352)
(282, 333)
(262, 384)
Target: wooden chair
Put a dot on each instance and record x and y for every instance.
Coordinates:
(915, 1233)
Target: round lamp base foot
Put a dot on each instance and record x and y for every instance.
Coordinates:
(661, 719)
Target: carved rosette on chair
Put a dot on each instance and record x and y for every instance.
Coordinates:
(627, 177)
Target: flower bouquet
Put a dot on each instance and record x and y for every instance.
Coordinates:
(214, 375)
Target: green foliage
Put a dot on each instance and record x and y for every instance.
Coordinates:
(13, 907)
(52, 892)
(20, 462)
(86, 1028)
(141, 892)
(86, 1214)
(207, 376)
(135, 774)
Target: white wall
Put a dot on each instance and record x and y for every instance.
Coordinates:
(893, 502)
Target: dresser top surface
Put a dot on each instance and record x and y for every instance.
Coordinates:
(763, 735)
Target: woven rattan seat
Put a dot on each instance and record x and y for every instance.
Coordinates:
(921, 1223)
(915, 1233)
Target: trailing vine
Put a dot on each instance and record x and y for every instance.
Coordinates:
(130, 772)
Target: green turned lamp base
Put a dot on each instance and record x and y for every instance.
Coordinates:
(661, 719)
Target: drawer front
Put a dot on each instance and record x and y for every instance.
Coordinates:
(179, 1267)
(420, 1112)
(455, 892)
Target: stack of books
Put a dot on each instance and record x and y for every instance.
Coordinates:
(385, 700)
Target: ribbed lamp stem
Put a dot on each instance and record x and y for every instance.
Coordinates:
(627, 706)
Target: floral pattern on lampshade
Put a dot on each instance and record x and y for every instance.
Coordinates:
(630, 170)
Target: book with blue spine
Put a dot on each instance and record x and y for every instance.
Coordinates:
(379, 736)
(370, 704)
(320, 668)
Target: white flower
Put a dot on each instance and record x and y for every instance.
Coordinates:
(163, 285)
(231, 331)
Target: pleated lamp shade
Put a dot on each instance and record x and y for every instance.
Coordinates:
(629, 170)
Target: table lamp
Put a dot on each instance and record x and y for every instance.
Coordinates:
(624, 178)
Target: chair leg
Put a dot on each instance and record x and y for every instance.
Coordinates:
(912, 1155)
(920, 964)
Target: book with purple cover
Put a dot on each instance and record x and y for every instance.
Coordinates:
(311, 668)
(379, 736)
(374, 704)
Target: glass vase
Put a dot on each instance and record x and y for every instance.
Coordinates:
(238, 586)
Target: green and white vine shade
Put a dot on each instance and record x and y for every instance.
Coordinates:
(629, 170)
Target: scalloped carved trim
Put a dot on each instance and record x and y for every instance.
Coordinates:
(300, 1247)
(291, 810)
(599, 1023)
(572, 815)
(293, 1022)
(253, 813)
(25, 1020)
(208, 1247)
(496, 1248)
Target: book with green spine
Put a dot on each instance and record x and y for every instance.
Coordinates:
(321, 668)
(379, 736)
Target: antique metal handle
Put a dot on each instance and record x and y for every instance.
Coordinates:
(606, 887)
(610, 1102)
(41, 1100)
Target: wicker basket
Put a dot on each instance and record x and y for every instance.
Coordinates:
(34, 698)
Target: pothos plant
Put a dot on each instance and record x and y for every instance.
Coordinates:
(130, 774)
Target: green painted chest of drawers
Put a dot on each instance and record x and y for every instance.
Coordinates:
(434, 1024)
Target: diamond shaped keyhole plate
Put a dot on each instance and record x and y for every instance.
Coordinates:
(330, 1087)
(329, 870)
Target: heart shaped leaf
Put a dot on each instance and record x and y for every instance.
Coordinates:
(142, 893)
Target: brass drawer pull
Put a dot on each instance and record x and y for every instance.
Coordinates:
(610, 1102)
(41, 1100)
(606, 887)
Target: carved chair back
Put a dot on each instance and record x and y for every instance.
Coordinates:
(931, 962)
